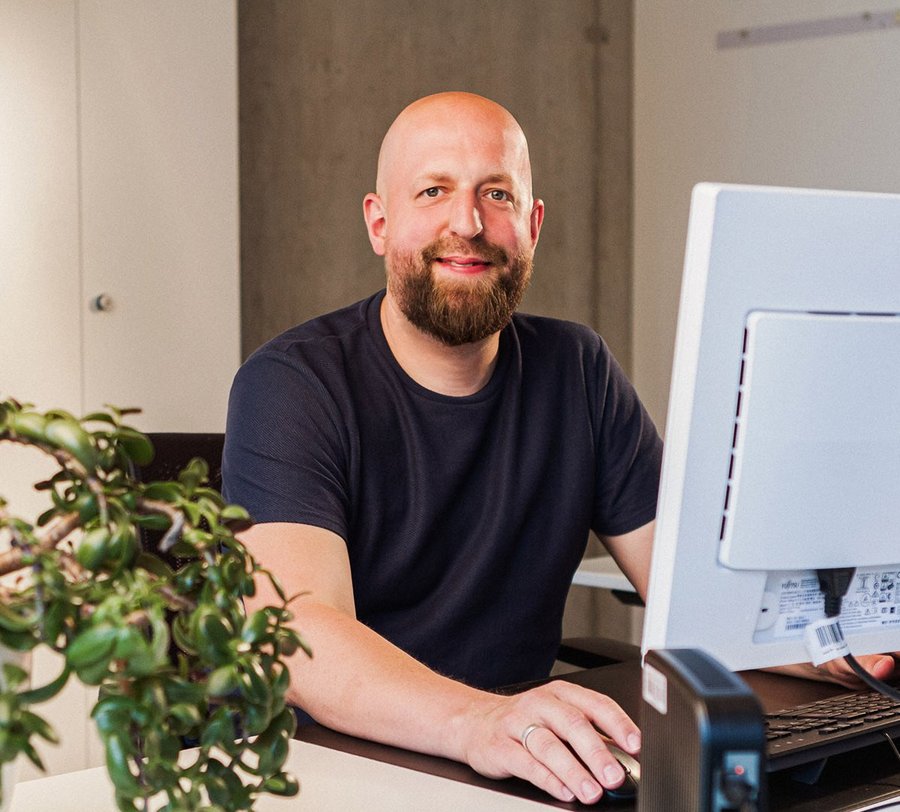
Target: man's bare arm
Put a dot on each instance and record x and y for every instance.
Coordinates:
(632, 552)
(359, 683)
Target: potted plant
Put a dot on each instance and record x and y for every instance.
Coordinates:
(176, 657)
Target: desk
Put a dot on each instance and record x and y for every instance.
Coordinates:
(603, 573)
(852, 781)
(342, 774)
(330, 781)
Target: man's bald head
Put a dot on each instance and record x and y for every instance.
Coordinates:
(467, 114)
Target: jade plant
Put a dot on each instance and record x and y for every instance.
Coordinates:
(177, 659)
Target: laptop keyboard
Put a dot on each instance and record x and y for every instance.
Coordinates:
(829, 726)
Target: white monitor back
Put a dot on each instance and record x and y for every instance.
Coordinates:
(783, 432)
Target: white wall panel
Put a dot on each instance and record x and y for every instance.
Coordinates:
(821, 112)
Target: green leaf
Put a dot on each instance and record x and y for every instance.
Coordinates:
(188, 716)
(136, 445)
(113, 713)
(219, 728)
(255, 685)
(118, 764)
(68, 435)
(98, 417)
(282, 784)
(154, 565)
(13, 675)
(182, 635)
(48, 691)
(194, 474)
(35, 725)
(93, 548)
(53, 620)
(222, 681)
(28, 425)
(14, 621)
(18, 641)
(255, 627)
(164, 491)
(92, 646)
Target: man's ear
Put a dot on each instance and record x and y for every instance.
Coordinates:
(376, 221)
(536, 221)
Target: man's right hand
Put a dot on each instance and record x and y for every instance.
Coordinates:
(549, 736)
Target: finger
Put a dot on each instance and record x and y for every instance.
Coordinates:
(592, 757)
(879, 666)
(602, 713)
(548, 753)
(519, 761)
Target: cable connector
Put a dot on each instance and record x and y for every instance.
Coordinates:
(833, 584)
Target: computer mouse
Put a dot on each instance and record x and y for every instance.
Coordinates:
(627, 790)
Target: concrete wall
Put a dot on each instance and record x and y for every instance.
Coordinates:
(819, 112)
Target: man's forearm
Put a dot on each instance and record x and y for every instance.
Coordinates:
(359, 683)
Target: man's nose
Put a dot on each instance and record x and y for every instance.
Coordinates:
(465, 217)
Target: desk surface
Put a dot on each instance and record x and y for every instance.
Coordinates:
(603, 573)
(343, 773)
(853, 781)
(330, 781)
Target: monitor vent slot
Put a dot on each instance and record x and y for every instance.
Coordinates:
(735, 435)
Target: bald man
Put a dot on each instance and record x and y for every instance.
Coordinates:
(424, 467)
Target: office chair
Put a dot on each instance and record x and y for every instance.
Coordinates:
(592, 652)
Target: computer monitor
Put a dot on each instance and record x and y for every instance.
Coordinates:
(782, 449)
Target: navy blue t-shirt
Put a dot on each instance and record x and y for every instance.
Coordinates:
(464, 517)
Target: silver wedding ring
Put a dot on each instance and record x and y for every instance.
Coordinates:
(526, 733)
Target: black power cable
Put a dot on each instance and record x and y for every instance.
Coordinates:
(834, 583)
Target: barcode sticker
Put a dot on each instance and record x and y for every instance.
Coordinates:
(825, 640)
(655, 688)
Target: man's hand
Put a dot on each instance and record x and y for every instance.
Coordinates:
(880, 666)
(549, 736)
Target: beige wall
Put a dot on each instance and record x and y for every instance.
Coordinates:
(817, 112)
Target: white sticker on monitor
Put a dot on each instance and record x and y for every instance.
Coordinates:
(825, 640)
(655, 688)
(792, 602)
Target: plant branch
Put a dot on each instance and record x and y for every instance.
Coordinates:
(47, 538)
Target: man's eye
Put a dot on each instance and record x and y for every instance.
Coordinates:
(498, 194)
(432, 191)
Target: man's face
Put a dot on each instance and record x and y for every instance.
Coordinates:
(455, 219)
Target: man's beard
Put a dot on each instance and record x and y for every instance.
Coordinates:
(463, 311)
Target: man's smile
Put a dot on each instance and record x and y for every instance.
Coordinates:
(464, 264)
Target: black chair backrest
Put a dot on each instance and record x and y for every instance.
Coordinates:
(174, 450)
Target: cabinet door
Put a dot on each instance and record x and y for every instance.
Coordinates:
(160, 208)
(118, 175)
(40, 292)
(40, 317)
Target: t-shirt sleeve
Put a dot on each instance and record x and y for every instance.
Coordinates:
(286, 446)
(629, 454)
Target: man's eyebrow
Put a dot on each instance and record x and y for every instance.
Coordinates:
(499, 177)
(445, 178)
(432, 178)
